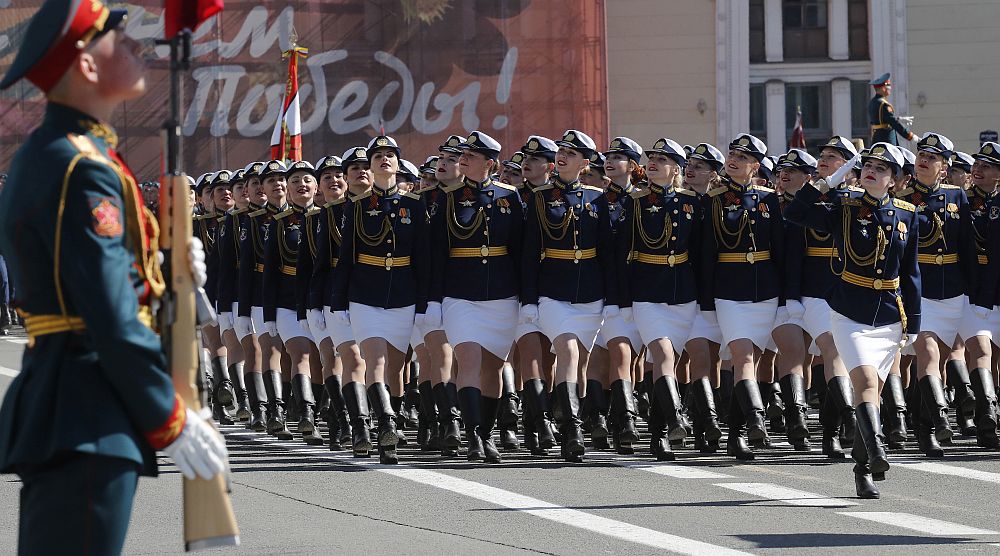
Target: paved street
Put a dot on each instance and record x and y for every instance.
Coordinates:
(294, 499)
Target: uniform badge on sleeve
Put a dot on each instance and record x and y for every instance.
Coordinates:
(107, 217)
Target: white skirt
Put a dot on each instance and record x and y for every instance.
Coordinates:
(973, 325)
(781, 318)
(490, 324)
(524, 328)
(860, 344)
(745, 320)
(424, 330)
(707, 328)
(416, 339)
(395, 325)
(289, 326)
(616, 327)
(582, 320)
(240, 334)
(257, 317)
(656, 321)
(338, 332)
(225, 320)
(816, 320)
(943, 316)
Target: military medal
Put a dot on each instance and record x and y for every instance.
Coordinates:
(653, 209)
(404, 216)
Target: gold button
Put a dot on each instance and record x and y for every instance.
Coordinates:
(750, 258)
(388, 263)
(877, 283)
(671, 260)
(939, 259)
(878, 271)
(484, 251)
(578, 254)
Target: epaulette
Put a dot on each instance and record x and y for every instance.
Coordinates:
(336, 202)
(426, 189)
(855, 189)
(364, 195)
(762, 188)
(238, 212)
(717, 191)
(506, 186)
(545, 187)
(591, 188)
(87, 148)
(451, 188)
(313, 211)
(411, 195)
(949, 186)
(848, 201)
(222, 219)
(638, 194)
(283, 214)
(257, 213)
(690, 192)
(901, 204)
(904, 192)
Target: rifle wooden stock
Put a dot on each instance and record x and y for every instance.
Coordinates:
(208, 513)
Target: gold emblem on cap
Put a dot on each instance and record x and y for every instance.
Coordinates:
(792, 156)
(472, 139)
(517, 158)
(569, 137)
(878, 151)
(360, 153)
(744, 141)
(701, 149)
(381, 141)
(454, 142)
(660, 144)
(273, 166)
(533, 144)
(931, 140)
(616, 143)
(988, 149)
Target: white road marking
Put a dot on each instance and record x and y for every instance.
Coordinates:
(20, 341)
(9, 372)
(499, 497)
(922, 524)
(953, 470)
(667, 469)
(788, 496)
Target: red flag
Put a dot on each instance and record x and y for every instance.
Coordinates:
(187, 14)
(286, 140)
(798, 140)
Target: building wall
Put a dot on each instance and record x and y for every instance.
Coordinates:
(661, 63)
(954, 68)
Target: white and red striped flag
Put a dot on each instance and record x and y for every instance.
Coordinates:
(286, 140)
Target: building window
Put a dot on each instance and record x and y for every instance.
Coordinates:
(857, 29)
(861, 93)
(804, 29)
(814, 101)
(758, 112)
(757, 52)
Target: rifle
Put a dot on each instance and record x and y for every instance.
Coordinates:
(208, 512)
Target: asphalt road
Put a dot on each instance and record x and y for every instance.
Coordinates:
(294, 499)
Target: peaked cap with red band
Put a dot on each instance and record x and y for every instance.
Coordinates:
(58, 32)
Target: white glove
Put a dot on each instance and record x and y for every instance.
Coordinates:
(317, 322)
(840, 175)
(199, 450)
(243, 326)
(196, 258)
(910, 340)
(627, 314)
(710, 318)
(610, 311)
(527, 314)
(432, 318)
(271, 328)
(343, 316)
(981, 312)
(795, 309)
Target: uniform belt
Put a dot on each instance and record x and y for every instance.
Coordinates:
(881, 126)
(983, 259)
(826, 252)
(879, 284)
(385, 262)
(751, 257)
(569, 254)
(476, 252)
(259, 267)
(669, 260)
(288, 270)
(42, 325)
(939, 260)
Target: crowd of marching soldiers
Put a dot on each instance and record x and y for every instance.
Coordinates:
(568, 260)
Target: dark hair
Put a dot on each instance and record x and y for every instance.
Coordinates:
(639, 173)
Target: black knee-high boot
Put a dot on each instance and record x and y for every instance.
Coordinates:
(470, 404)
(829, 419)
(870, 430)
(748, 396)
(242, 397)
(737, 444)
(447, 406)
(490, 409)
(572, 437)
(840, 389)
(965, 397)
(428, 422)
(659, 445)
(536, 400)
(507, 417)
(356, 400)
(336, 414)
(593, 415)
(668, 398)
(986, 409)
(258, 401)
(932, 396)
(625, 413)
(381, 406)
(864, 483)
(276, 424)
(223, 396)
(794, 390)
(894, 411)
(307, 414)
(926, 440)
(705, 415)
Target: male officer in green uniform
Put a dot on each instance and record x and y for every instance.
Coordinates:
(93, 402)
(885, 125)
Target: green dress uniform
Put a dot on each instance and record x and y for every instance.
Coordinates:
(92, 402)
